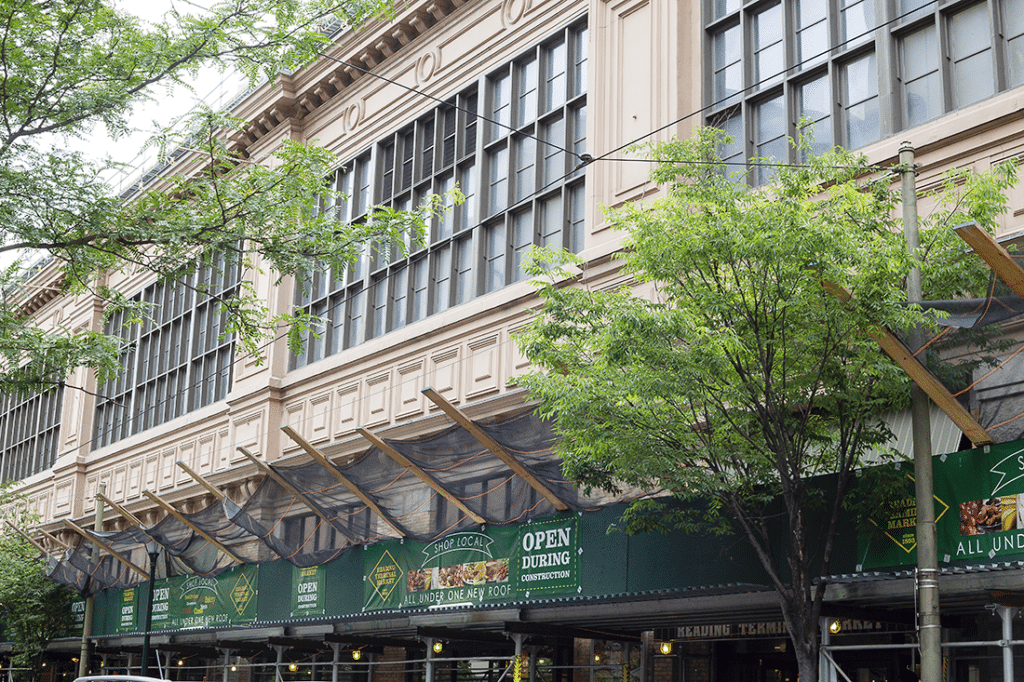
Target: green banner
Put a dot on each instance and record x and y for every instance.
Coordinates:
(979, 502)
(129, 607)
(472, 567)
(308, 591)
(196, 602)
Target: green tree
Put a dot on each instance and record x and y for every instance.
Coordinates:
(729, 376)
(72, 66)
(33, 609)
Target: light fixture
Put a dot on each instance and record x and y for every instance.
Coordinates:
(834, 627)
(293, 667)
(74, 660)
(181, 661)
(438, 646)
(44, 664)
(597, 658)
(234, 668)
(666, 648)
(356, 654)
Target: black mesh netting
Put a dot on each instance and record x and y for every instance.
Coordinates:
(330, 517)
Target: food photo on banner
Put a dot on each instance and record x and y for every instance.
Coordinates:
(473, 567)
(186, 602)
(979, 504)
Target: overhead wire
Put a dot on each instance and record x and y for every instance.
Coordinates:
(759, 83)
(584, 158)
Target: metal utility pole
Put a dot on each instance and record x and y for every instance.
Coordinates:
(152, 549)
(929, 627)
(90, 601)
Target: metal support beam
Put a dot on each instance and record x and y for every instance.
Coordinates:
(1006, 614)
(419, 473)
(99, 543)
(322, 460)
(206, 536)
(495, 447)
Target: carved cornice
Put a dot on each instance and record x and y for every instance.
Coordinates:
(299, 95)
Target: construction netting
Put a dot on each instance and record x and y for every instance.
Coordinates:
(978, 357)
(449, 481)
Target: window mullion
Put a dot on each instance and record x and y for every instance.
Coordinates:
(945, 60)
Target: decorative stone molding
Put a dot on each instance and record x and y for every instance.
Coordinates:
(427, 65)
(512, 11)
(348, 409)
(354, 115)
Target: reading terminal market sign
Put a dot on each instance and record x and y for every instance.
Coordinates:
(979, 511)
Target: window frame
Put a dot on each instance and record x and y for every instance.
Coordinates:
(455, 254)
(884, 39)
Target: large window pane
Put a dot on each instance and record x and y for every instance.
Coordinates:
(816, 105)
(464, 270)
(769, 52)
(522, 240)
(771, 141)
(467, 211)
(1013, 18)
(860, 101)
(498, 181)
(526, 154)
(731, 148)
(527, 92)
(442, 259)
(554, 158)
(399, 297)
(552, 223)
(554, 76)
(579, 79)
(922, 91)
(812, 32)
(728, 71)
(494, 275)
(857, 20)
(912, 9)
(970, 43)
(723, 7)
(501, 106)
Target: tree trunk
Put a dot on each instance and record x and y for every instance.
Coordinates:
(798, 612)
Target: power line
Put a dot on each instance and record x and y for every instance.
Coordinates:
(585, 159)
(514, 131)
(759, 83)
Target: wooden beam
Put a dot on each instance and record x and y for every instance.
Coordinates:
(129, 517)
(420, 474)
(265, 468)
(920, 374)
(99, 543)
(322, 460)
(993, 253)
(206, 536)
(200, 480)
(27, 537)
(54, 538)
(495, 447)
